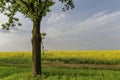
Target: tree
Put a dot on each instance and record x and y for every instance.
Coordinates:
(35, 10)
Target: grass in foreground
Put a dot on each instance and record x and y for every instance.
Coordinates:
(14, 73)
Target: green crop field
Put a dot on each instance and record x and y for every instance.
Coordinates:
(63, 65)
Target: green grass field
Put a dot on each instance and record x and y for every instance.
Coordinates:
(62, 65)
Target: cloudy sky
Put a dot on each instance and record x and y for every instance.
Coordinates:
(92, 24)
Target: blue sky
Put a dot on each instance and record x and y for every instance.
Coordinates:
(92, 24)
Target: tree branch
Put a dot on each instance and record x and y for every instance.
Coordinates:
(44, 7)
(24, 3)
(39, 1)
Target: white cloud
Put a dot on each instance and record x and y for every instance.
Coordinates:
(97, 20)
(3, 19)
(100, 31)
(55, 18)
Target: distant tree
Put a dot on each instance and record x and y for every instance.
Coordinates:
(35, 10)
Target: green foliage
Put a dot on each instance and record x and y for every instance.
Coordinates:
(68, 4)
(29, 8)
(43, 34)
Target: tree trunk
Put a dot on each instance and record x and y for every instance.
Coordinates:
(36, 47)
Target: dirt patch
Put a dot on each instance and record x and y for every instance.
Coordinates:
(74, 65)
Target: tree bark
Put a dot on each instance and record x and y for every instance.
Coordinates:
(36, 48)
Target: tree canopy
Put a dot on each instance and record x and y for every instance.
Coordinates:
(29, 8)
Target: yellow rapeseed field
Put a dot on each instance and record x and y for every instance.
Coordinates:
(88, 56)
(80, 56)
(98, 54)
(13, 54)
